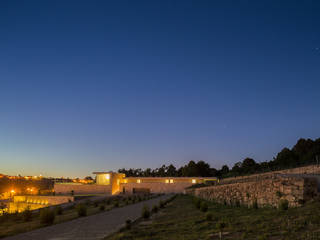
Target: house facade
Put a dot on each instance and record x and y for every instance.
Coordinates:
(115, 183)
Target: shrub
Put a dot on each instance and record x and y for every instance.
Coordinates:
(108, 201)
(209, 217)
(88, 202)
(58, 210)
(161, 204)
(145, 212)
(198, 203)
(47, 216)
(155, 209)
(82, 210)
(128, 223)
(255, 205)
(96, 204)
(116, 204)
(102, 208)
(283, 204)
(27, 215)
(204, 207)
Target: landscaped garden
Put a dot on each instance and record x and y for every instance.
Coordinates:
(190, 218)
(11, 224)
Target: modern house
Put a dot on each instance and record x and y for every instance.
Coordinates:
(114, 183)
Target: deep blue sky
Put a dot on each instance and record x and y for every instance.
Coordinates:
(100, 85)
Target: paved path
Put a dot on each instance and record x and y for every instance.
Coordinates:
(93, 227)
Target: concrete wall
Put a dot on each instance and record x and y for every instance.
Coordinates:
(265, 190)
(21, 203)
(155, 187)
(45, 200)
(66, 189)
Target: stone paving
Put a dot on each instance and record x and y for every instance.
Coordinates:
(91, 227)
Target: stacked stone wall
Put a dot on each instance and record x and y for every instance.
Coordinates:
(265, 190)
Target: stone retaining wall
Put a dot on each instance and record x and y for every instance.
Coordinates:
(265, 191)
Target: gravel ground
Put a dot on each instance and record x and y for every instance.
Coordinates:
(92, 227)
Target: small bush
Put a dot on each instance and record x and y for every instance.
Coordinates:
(116, 204)
(204, 207)
(221, 225)
(283, 204)
(155, 209)
(255, 205)
(209, 217)
(128, 223)
(145, 212)
(88, 202)
(102, 208)
(198, 203)
(161, 204)
(27, 215)
(82, 210)
(96, 204)
(47, 216)
(58, 210)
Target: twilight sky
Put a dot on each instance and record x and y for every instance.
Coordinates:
(100, 85)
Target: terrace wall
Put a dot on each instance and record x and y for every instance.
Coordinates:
(156, 187)
(66, 189)
(265, 190)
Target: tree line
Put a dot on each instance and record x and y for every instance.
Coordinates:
(304, 152)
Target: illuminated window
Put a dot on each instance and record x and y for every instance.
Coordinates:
(167, 180)
(171, 180)
(194, 181)
(138, 181)
(108, 176)
(118, 181)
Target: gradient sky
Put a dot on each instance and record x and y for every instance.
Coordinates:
(100, 85)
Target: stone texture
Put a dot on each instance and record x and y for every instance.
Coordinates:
(266, 190)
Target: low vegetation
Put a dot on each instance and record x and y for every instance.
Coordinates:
(183, 219)
(11, 224)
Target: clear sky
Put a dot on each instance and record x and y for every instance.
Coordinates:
(100, 85)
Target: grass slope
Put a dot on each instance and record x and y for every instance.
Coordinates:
(182, 220)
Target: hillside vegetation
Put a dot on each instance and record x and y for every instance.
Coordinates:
(304, 152)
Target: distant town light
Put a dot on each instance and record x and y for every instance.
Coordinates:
(171, 180)
(194, 181)
(139, 181)
(167, 180)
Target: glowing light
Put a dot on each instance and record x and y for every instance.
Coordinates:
(167, 180)
(139, 181)
(108, 176)
(194, 181)
(171, 180)
(12, 191)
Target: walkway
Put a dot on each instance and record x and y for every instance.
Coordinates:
(93, 227)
